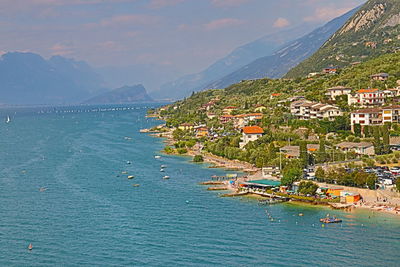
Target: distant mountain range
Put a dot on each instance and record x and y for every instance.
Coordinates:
(123, 95)
(27, 78)
(372, 31)
(239, 57)
(286, 57)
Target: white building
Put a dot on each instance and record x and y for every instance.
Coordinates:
(367, 97)
(309, 110)
(369, 116)
(250, 134)
(334, 92)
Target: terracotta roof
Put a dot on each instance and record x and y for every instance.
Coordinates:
(367, 91)
(253, 130)
(231, 107)
(276, 94)
(392, 107)
(368, 110)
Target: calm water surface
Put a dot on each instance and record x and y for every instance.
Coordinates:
(91, 215)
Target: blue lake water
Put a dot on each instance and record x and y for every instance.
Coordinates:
(91, 215)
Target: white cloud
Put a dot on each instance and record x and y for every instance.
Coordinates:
(281, 23)
(62, 49)
(222, 23)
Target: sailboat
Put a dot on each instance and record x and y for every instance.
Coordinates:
(8, 120)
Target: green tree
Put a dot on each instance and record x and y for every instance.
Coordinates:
(357, 130)
(398, 185)
(377, 141)
(371, 180)
(198, 158)
(386, 139)
(304, 158)
(308, 188)
(367, 131)
(291, 173)
(321, 155)
(320, 174)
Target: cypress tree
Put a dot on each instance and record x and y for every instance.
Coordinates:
(357, 130)
(303, 154)
(367, 131)
(377, 141)
(321, 157)
(386, 139)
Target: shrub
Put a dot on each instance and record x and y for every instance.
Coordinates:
(307, 188)
(168, 150)
(182, 150)
(198, 158)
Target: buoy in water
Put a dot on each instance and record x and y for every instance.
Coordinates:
(30, 247)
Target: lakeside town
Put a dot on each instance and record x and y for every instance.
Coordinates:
(342, 150)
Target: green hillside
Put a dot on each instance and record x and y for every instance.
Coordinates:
(374, 30)
(249, 93)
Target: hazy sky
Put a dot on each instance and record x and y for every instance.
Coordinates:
(185, 34)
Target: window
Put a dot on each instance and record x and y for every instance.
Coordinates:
(362, 122)
(361, 115)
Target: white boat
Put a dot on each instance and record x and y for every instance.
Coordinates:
(166, 177)
(157, 157)
(161, 170)
(8, 120)
(163, 166)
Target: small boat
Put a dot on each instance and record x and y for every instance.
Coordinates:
(8, 120)
(166, 177)
(128, 162)
(157, 157)
(330, 220)
(163, 166)
(131, 177)
(162, 170)
(30, 247)
(42, 189)
(124, 172)
(136, 185)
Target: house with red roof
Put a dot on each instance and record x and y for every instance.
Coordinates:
(367, 97)
(250, 134)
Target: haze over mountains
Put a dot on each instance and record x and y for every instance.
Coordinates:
(236, 59)
(123, 95)
(285, 58)
(27, 78)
